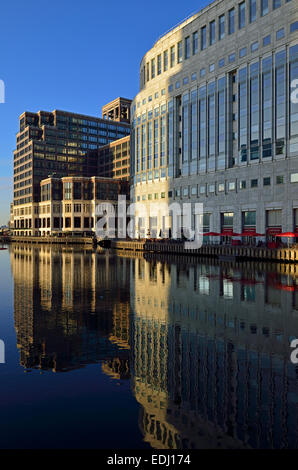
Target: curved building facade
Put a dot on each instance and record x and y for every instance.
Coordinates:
(216, 118)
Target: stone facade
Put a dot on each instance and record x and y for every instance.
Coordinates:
(214, 121)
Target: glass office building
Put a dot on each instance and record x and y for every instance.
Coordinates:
(61, 144)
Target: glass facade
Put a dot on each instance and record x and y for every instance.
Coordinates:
(212, 33)
(252, 10)
(231, 21)
(211, 125)
(194, 132)
(264, 7)
(254, 111)
(195, 42)
(233, 119)
(267, 109)
(243, 114)
(280, 101)
(241, 15)
(203, 38)
(293, 118)
(185, 134)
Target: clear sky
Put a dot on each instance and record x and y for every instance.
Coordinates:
(73, 55)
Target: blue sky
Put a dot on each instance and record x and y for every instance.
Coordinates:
(73, 55)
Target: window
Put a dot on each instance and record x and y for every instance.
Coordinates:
(232, 186)
(241, 15)
(179, 52)
(280, 33)
(264, 7)
(165, 61)
(202, 189)
(163, 195)
(211, 67)
(211, 188)
(177, 85)
(294, 27)
(203, 38)
(242, 184)
(266, 181)
(252, 11)
(254, 183)
(276, 4)
(187, 48)
(294, 178)
(202, 72)
(185, 192)
(163, 92)
(77, 222)
(267, 40)
(159, 64)
(221, 63)
(172, 56)
(280, 179)
(243, 52)
(212, 33)
(193, 76)
(221, 187)
(249, 218)
(232, 57)
(232, 21)
(195, 42)
(221, 27)
(67, 191)
(254, 46)
(152, 68)
(194, 191)
(185, 80)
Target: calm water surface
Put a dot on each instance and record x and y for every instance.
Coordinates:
(107, 351)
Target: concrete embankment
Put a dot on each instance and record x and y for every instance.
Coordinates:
(286, 255)
(53, 240)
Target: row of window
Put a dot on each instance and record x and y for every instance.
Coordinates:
(280, 34)
(213, 188)
(192, 44)
(261, 118)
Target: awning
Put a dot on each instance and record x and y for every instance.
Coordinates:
(273, 231)
(287, 235)
(251, 234)
(211, 234)
(229, 233)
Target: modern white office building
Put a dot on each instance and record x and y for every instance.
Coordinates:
(216, 119)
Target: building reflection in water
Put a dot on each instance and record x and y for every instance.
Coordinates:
(206, 346)
(66, 314)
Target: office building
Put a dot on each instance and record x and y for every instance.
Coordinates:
(216, 119)
(69, 205)
(113, 159)
(57, 144)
